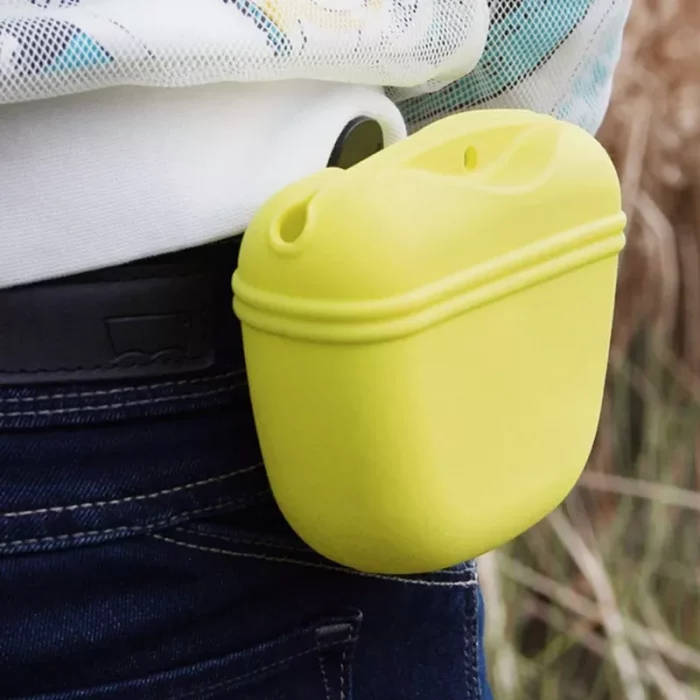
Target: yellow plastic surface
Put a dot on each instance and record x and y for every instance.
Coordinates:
(426, 337)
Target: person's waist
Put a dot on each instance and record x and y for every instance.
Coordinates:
(128, 173)
(123, 403)
(151, 337)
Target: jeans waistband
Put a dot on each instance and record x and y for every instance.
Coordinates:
(141, 339)
(96, 459)
(161, 317)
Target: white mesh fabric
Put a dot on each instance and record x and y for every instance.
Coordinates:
(115, 168)
(434, 56)
(52, 47)
(551, 56)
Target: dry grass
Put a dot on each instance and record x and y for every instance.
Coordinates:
(653, 132)
(602, 601)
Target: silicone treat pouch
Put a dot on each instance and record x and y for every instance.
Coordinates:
(426, 337)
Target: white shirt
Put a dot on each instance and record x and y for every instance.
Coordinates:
(101, 164)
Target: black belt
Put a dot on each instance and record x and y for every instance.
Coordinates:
(161, 317)
(165, 316)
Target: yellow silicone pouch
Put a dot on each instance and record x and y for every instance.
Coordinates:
(426, 337)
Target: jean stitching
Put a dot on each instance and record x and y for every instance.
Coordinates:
(120, 390)
(236, 539)
(470, 569)
(121, 404)
(323, 670)
(132, 499)
(342, 673)
(247, 540)
(465, 642)
(229, 682)
(471, 675)
(131, 529)
(317, 565)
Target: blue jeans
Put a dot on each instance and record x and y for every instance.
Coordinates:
(142, 556)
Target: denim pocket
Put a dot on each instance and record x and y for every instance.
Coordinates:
(234, 606)
(312, 663)
(420, 633)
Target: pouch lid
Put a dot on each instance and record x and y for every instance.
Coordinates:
(470, 201)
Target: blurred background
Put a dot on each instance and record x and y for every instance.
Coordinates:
(602, 600)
